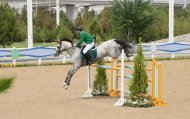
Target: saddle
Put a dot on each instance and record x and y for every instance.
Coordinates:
(92, 53)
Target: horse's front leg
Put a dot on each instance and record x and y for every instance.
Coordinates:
(65, 82)
(69, 76)
(66, 79)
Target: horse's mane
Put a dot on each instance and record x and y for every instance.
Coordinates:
(68, 40)
(123, 43)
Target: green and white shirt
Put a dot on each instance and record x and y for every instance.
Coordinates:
(85, 37)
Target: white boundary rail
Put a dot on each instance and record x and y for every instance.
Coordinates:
(170, 50)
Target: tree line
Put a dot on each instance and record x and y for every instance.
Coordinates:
(124, 19)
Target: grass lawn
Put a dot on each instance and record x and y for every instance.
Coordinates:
(25, 45)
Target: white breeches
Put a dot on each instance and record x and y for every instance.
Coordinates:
(88, 47)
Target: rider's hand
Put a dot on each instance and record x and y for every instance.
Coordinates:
(75, 44)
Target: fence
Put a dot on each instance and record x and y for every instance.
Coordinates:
(13, 55)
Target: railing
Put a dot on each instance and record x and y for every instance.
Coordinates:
(166, 49)
(90, 1)
(182, 3)
(43, 53)
(29, 55)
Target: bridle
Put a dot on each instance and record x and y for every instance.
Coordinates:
(60, 48)
(127, 51)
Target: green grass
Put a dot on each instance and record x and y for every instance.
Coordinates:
(25, 45)
(6, 83)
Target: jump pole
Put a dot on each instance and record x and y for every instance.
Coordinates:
(121, 101)
(113, 91)
(88, 93)
(156, 84)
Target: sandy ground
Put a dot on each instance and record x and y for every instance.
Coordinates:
(38, 94)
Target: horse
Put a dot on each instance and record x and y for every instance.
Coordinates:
(111, 48)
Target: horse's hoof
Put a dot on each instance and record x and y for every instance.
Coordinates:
(66, 87)
(64, 84)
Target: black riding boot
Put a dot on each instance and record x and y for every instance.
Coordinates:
(88, 59)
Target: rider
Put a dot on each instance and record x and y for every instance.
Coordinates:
(89, 40)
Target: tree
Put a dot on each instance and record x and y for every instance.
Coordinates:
(94, 28)
(159, 28)
(139, 84)
(105, 24)
(65, 21)
(44, 27)
(44, 19)
(63, 31)
(8, 26)
(131, 18)
(140, 80)
(65, 28)
(36, 35)
(100, 83)
(78, 21)
(88, 17)
(182, 23)
(23, 15)
(22, 31)
(105, 20)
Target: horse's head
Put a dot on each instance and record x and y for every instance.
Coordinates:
(128, 48)
(63, 45)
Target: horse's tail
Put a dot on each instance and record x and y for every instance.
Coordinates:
(123, 44)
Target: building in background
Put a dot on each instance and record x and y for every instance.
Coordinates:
(70, 7)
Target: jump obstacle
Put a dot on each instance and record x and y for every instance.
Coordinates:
(115, 92)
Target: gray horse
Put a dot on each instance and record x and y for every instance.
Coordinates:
(110, 48)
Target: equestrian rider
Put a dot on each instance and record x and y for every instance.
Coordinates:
(89, 41)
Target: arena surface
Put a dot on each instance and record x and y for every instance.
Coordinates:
(37, 93)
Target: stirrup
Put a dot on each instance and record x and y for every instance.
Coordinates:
(89, 62)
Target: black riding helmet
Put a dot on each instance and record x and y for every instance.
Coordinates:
(79, 28)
